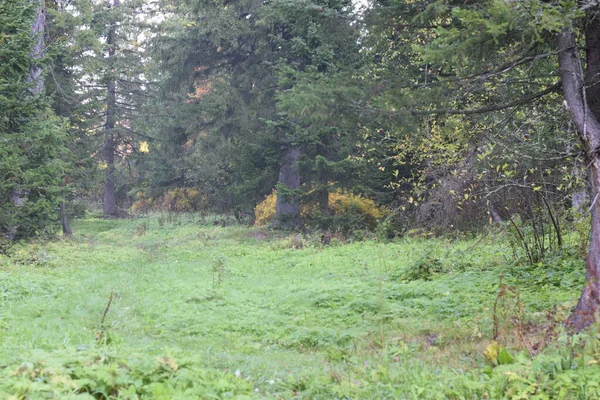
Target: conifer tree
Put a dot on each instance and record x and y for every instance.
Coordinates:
(100, 85)
(32, 137)
(253, 71)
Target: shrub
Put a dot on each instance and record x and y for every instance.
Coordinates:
(348, 212)
(342, 203)
(142, 204)
(425, 268)
(265, 210)
(174, 200)
(182, 200)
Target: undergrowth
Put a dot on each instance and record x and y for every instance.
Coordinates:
(192, 309)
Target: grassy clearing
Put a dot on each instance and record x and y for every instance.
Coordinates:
(203, 311)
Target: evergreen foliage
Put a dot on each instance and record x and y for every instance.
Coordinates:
(32, 137)
(248, 92)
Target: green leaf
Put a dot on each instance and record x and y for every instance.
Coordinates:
(503, 357)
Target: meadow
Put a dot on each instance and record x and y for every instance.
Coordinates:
(181, 307)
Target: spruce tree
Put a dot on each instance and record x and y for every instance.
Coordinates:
(252, 70)
(32, 136)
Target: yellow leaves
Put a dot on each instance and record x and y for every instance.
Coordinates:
(340, 202)
(178, 200)
(491, 352)
(497, 354)
(168, 362)
(265, 210)
(144, 148)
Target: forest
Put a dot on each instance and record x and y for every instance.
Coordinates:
(319, 199)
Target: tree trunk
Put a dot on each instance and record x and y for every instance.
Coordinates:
(64, 221)
(322, 195)
(578, 202)
(494, 216)
(588, 129)
(110, 144)
(37, 31)
(110, 194)
(287, 208)
(592, 73)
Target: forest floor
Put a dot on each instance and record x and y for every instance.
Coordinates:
(172, 308)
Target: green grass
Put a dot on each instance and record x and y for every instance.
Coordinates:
(203, 311)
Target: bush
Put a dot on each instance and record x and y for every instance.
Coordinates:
(174, 200)
(348, 212)
(265, 210)
(142, 204)
(370, 214)
(182, 199)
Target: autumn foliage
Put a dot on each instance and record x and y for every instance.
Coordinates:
(341, 204)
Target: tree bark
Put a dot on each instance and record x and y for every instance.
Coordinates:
(64, 221)
(37, 31)
(110, 194)
(110, 144)
(322, 185)
(588, 129)
(287, 208)
(592, 72)
(494, 215)
(578, 202)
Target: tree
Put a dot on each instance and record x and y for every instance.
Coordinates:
(110, 142)
(252, 86)
(32, 137)
(317, 80)
(494, 57)
(582, 94)
(99, 84)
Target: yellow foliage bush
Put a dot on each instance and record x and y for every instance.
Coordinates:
(265, 210)
(340, 203)
(183, 200)
(142, 204)
(174, 200)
